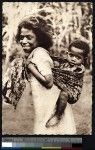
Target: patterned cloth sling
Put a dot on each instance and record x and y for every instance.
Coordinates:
(72, 81)
(15, 84)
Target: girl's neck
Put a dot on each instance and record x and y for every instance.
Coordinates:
(26, 55)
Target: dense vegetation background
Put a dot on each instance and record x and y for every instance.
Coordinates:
(68, 20)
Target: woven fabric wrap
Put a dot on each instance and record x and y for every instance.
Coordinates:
(70, 81)
(13, 88)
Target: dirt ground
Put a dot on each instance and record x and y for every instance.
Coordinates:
(83, 109)
(14, 122)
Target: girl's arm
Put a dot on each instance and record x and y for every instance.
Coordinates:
(46, 80)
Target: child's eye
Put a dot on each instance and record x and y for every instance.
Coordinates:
(71, 55)
(78, 57)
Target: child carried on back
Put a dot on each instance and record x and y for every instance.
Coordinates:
(67, 76)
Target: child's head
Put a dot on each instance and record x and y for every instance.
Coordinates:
(78, 52)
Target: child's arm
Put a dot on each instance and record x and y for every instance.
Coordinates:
(47, 80)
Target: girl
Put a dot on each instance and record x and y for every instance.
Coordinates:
(36, 66)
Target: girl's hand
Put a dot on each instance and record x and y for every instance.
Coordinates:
(49, 81)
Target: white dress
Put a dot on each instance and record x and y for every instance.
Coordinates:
(45, 99)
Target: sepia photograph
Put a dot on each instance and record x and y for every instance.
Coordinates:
(47, 68)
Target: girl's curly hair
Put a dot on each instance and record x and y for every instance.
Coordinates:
(40, 28)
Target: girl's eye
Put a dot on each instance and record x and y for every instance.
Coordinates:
(21, 37)
(29, 37)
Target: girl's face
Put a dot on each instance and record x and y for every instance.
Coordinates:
(28, 40)
(75, 56)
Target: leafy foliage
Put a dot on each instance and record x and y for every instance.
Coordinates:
(66, 22)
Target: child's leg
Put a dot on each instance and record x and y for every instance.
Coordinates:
(61, 104)
(59, 109)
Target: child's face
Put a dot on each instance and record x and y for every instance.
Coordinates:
(28, 40)
(75, 55)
